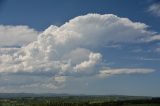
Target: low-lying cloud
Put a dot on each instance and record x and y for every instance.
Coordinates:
(118, 71)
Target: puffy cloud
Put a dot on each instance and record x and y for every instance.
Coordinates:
(56, 42)
(94, 58)
(16, 35)
(73, 49)
(110, 72)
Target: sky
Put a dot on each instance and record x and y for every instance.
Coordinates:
(96, 47)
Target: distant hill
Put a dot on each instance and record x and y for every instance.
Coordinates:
(108, 97)
(16, 95)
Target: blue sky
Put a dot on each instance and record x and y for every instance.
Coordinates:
(39, 14)
(77, 57)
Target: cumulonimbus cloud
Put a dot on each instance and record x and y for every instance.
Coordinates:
(72, 49)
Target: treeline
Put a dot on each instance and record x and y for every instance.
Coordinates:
(46, 102)
(111, 103)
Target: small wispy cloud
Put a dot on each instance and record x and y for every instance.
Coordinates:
(155, 8)
(118, 71)
(157, 50)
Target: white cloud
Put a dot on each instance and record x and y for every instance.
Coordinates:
(56, 42)
(94, 58)
(73, 48)
(154, 38)
(118, 71)
(16, 35)
(155, 8)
